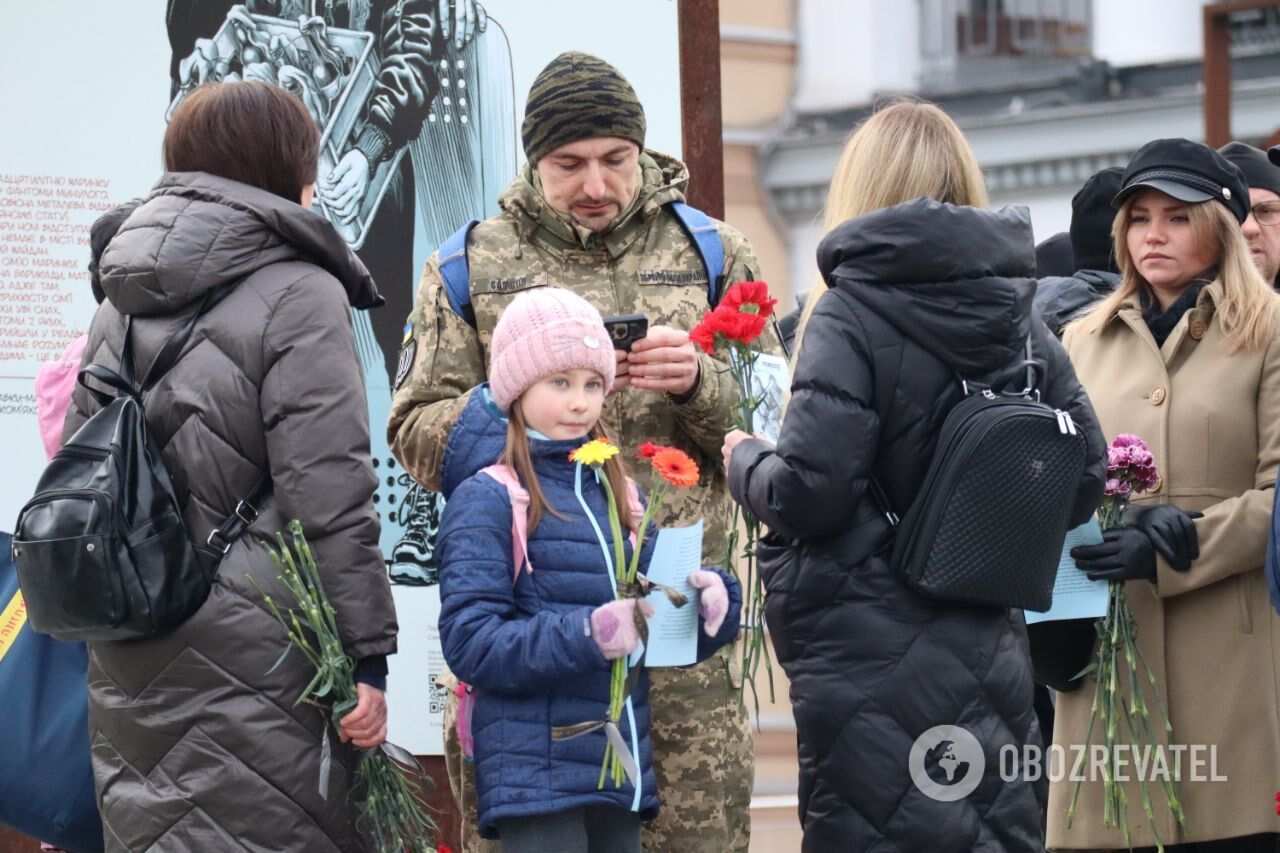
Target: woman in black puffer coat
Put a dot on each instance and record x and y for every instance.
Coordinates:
(918, 293)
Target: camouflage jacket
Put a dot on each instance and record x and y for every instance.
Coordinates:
(645, 263)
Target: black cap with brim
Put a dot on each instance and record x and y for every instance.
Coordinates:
(1188, 171)
(1274, 154)
(1180, 191)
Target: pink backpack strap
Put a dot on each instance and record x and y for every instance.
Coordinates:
(519, 516)
(55, 381)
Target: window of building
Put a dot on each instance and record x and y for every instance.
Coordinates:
(964, 38)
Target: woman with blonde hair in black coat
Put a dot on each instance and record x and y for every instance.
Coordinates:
(921, 286)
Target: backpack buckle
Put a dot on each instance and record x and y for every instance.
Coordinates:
(222, 546)
(246, 512)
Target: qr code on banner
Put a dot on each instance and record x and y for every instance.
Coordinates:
(435, 704)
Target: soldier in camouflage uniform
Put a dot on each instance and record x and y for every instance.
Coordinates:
(589, 213)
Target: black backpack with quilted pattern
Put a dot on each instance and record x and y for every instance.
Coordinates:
(988, 523)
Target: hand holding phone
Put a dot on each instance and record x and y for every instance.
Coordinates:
(625, 330)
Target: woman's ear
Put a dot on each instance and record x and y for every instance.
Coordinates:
(308, 196)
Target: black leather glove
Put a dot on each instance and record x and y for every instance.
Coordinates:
(1172, 532)
(1125, 554)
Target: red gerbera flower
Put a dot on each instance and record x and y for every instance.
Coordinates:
(676, 467)
(647, 450)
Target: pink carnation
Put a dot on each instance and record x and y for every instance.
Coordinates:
(1117, 486)
(1131, 467)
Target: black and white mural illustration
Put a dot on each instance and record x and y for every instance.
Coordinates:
(415, 104)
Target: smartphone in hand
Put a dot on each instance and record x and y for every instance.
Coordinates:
(625, 330)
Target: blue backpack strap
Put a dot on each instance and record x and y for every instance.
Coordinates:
(456, 273)
(706, 237)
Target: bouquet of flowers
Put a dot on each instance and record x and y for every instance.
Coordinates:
(675, 469)
(1118, 697)
(393, 814)
(731, 329)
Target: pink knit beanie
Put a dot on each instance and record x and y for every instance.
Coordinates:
(544, 331)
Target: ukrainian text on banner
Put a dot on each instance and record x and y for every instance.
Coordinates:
(89, 91)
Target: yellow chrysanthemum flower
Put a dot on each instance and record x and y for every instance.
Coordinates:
(594, 452)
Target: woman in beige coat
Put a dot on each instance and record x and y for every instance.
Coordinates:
(1186, 354)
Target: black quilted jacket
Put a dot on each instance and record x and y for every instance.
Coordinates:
(919, 293)
(197, 741)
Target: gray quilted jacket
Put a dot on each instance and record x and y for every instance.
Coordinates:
(195, 745)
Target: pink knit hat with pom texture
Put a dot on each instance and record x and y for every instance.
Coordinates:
(545, 331)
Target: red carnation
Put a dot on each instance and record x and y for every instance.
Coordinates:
(750, 297)
(704, 336)
(743, 328)
(736, 327)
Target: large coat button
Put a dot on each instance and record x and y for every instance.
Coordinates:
(1157, 396)
(1197, 329)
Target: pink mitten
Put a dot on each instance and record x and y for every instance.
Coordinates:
(713, 599)
(613, 626)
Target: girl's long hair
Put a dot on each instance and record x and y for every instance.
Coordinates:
(906, 149)
(516, 456)
(1248, 309)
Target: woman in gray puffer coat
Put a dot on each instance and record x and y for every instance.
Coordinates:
(197, 741)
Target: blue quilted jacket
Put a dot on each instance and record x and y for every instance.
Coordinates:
(526, 647)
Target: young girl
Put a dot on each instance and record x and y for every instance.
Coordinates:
(535, 638)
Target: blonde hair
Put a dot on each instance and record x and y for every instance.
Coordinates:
(906, 149)
(1248, 308)
(516, 456)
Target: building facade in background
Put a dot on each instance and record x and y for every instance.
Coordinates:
(1047, 91)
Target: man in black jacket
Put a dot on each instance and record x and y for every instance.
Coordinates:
(1261, 228)
(1061, 299)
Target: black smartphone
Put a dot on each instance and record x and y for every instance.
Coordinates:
(626, 330)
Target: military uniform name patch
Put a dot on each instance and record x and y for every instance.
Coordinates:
(513, 284)
(673, 277)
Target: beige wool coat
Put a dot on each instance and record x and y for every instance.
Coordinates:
(1212, 420)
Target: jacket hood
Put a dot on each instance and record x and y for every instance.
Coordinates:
(1062, 299)
(664, 179)
(956, 280)
(196, 231)
(480, 435)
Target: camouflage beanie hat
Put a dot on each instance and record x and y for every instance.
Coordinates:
(579, 96)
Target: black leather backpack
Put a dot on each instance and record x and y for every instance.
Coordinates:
(988, 523)
(102, 550)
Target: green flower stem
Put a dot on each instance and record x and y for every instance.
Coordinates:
(742, 360)
(618, 681)
(392, 812)
(1120, 701)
